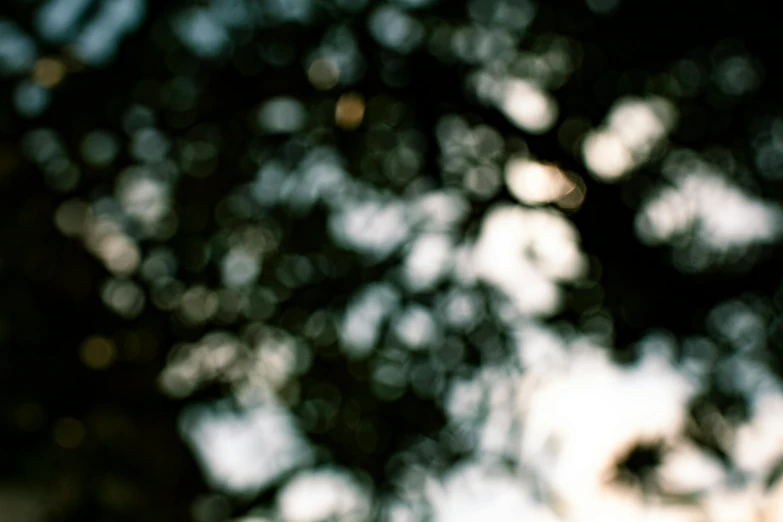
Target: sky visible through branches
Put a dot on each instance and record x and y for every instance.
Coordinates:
(401, 260)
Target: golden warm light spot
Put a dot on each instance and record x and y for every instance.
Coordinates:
(537, 183)
(48, 72)
(97, 353)
(323, 74)
(68, 433)
(349, 111)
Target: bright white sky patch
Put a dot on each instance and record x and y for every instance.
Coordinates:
(416, 327)
(529, 107)
(524, 253)
(632, 130)
(687, 470)
(473, 492)
(361, 326)
(579, 419)
(243, 451)
(439, 211)
(606, 155)
(427, 261)
(373, 228)
(485, 406)
(759, 442)
(716, 216)
(322, 496)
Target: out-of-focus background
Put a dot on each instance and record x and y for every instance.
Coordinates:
(401, 260)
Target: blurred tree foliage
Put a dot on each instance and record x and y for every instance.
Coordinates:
(88, 434)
